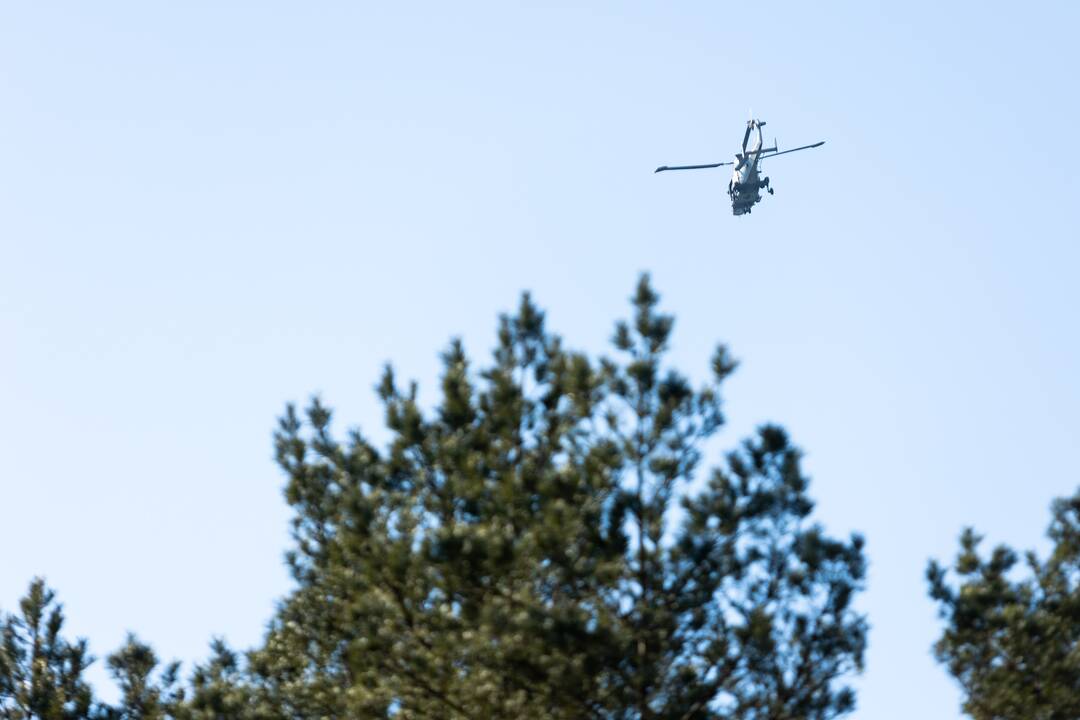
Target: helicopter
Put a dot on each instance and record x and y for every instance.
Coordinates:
(746, 182)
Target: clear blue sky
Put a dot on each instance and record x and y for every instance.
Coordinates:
(208, 209)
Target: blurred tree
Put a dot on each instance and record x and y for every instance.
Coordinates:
(142, 696)
(534, 548)
(41, 673)
(1013, 643)
(216, 691)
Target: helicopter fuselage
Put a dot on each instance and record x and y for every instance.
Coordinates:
(745, 185)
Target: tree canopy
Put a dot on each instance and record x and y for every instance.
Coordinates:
(534, 546)
(1012, 629)
(41, 672)
(541, 543)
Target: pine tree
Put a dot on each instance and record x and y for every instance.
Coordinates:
(142, 695)
(1011, 638)
(41, 673)
(535, 547)
(520, 552)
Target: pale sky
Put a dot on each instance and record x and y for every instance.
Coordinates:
(208, 209)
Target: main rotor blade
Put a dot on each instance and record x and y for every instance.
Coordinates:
(689, 167)
(804, 147)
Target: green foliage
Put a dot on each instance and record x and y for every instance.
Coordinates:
(218, 690)
(41, 673)
(142, 696)
(520, 552)
(540, 545)
(1014, 643)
